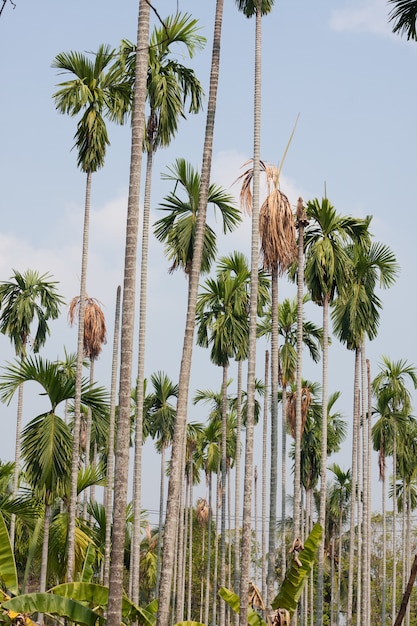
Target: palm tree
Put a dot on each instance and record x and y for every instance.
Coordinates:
(355, 315)
(403, 15)
(325, 274)
(249, 9)
(170, 85)
(98, 90)
(177, 229)
(46, 439)
(95, 336)
(178, 451)
(223, 323)
(340, 496)
(390, 383)
(312, 337)
(25, 298)
(161, 419)
(114, 612)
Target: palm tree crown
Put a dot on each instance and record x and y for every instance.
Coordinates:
(98, 90)
(22, 299)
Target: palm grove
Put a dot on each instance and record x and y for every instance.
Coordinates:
(66, 553)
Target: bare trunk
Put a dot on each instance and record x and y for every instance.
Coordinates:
(184, 378)
(16, 460)
(114, 615)
(137, 469)
(110, 452)
(72, 513)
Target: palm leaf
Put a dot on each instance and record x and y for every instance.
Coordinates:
(98, 595)
(296, 576)
(8, 572)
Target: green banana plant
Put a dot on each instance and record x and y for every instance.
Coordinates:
(289, 594)
(70, 600)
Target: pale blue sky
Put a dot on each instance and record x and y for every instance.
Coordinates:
(335, 63)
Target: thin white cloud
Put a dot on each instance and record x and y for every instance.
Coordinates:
(365, 17)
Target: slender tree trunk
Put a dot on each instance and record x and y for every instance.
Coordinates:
(384, 557)
(208, 569)
(255, 507)
(283, 481)
(273, 489)
(216, 547)
(394, 527)
(110, 454)
(222, 614)
(114, 615)
(184, 379)
(161, 516)
(16, 459)
(73, 502)
(137, 469)
(301, 223)
(237, 486)
(264, 469)
(181, 550)
(45, 546)
(246, 528)
(354, 486)
(323, 463)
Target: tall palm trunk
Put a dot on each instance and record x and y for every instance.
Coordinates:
(45, 545)
(208, 569)
(264, 471)
(137, 468)
(301, 224)
(110, 453)
(237, 485)
(246, 527)
(73, 502)
(128, 315)
(273, 490)
(222, 615)
(394, 525)
(161, 515)
(355, 437)
(323, 462)
(16, 459)
(184, 378)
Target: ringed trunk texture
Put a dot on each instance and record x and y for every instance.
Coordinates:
(114, 614)
(175, 478)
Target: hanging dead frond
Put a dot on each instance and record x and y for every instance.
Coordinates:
(202, 512)
(291, 409)
(255, 598)
(277, 232)
(300, 214)
(296, 548)
(246, 198)
(280, 617)
(95, 331)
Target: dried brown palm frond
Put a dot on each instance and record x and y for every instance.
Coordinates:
(246, 198)
(95, 330)
(255, 598)
(300, 214)
(381, 464)
(277, 232)
(280, 617)
(291, 409)
(202, 512)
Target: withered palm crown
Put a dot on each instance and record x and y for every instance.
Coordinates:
(276, 219)
(277, 231)
(95, 331)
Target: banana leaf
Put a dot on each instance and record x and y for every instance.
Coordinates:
(8, 572)
(233, 600)
(51, 604)
(296, 575)
(98, 596)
